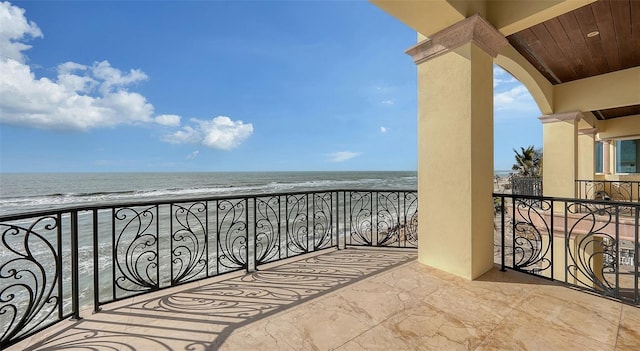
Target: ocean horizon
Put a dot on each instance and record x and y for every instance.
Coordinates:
(25, 192)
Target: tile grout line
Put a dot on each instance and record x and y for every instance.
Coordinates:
(382, 321)
(615, 344)
(504, 318)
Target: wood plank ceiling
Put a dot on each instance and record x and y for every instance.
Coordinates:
(596, 39)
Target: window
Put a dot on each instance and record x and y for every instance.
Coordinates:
(628, 156)
(599, 157)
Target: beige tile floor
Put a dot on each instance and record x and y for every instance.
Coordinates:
(355, 299)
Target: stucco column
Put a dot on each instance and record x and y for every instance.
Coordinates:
(560, 154)
(586, 153)
(455, 146)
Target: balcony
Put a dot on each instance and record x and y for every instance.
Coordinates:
(354, 299)
(321, 270)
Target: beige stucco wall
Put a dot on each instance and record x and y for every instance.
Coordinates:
(620, 127)
(620, 88)
(455, 166)
(586, 157)
(560, 145)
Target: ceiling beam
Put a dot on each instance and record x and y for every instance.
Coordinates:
(512, 16)
(615, 89)
(508, 16)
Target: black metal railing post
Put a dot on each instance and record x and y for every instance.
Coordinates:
(59, 271)
(96, 271)
(502, 258)
(246, 230)
(75, 271)
(552, 236)
(337, 211)
(255, 234)
(566, 242)
(636, 260)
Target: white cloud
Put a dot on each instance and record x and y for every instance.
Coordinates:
(219, 133)
(113, 78)
(500, 76)
(15, 27)
(80, 97)
(516, 98)
(510, 95)
(388, 102)
(342, 156)
(383, 130)
(193, 155)
(168, 120)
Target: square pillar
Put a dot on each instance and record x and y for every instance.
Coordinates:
(560, 154)
(586, 153)
(455, 147)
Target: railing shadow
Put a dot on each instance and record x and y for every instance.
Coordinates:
(203, 317)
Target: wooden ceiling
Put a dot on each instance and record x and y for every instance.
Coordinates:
(596, 39)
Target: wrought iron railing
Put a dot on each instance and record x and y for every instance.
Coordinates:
(53, 262)
(588, 244)
(628, 191)
(531, 186)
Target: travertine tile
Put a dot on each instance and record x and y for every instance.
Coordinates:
(355, 300)
(629, 330)
(581, 314)
(522, 331)
(426, 327)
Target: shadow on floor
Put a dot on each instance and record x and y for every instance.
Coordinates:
(203, 317)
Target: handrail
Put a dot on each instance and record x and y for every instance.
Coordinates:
(54, 263)
(588, 244)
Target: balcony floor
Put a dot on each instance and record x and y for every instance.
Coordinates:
(354, 299)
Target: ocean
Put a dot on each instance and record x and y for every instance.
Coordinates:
(23, 193)
(26, 192)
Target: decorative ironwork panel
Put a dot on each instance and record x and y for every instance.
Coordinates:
(387, 219)
(30, 277)
(135, 250)
(532, 235)
(621, 191)
(297, 216)
(232, 234)
(593, 190)
(189, 241)
(322, 220)
(625, 191)
(360, 218)
(531, 186)
(409, 233)
(593, 238)
(267, 221)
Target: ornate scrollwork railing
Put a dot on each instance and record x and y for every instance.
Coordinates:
(146, 246)
(360, 218)
(189, 241)
(232, 234)
(268, 240)
(135, 250)
(30, 276)
(624, 191)
(532, 235)
(590, 244)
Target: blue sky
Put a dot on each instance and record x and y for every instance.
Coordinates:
(218, 86)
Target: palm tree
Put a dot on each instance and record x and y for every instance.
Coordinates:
(528, 162)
